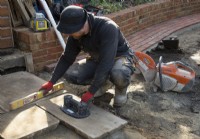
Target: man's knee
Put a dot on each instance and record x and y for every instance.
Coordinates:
(70, 78)
(73, 76)
(120, 78)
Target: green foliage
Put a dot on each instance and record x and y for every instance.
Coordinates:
(110, 6)
(136, 2)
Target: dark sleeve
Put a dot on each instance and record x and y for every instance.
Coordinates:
(108, 48)
(66, 59)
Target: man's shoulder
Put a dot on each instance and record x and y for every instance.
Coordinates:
(104, 22)
(102, 19)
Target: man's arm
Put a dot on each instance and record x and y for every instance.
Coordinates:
(66, 60)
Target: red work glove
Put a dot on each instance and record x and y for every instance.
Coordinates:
(47, 86)
(87, 97)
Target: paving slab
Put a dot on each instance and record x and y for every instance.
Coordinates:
(16, 59)
(26, 123)
(17, 85)
(98, 125)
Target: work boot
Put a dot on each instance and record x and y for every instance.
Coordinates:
(120, 97)
(103, 89)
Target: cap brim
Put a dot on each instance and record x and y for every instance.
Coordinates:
(69, 29)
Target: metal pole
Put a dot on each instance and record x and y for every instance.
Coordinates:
(48, 12)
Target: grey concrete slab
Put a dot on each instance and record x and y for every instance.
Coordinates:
(26, 123)
(17, 85)
(98, 125)
(16, 59)
(61, 132)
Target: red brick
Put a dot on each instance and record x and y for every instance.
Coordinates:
(52, 57)
(45, 59)
(31, 37)
(22, 36)
(47, 44)
(6, 43)
(4, 22)
(40, 37)
(128, 26)
(39, 53)
(4, 11)
(34, 47)
(54, 50)
(23, 46)
(50, 35)
(40, 59)
(5, 32)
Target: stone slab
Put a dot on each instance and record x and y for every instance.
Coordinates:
(16, 59)
(26, 123)
(98, 125)
(17, 85)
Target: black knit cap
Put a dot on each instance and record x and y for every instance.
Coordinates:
(72, 19)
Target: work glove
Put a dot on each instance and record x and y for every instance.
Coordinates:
(87, 97)
(46, 87)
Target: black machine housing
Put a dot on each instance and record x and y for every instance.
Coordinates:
(75, 108)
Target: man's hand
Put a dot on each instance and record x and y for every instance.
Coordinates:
(87, 97)
(47, 86)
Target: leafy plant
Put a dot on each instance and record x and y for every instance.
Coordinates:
(110, 6)
(137, 2)
(107, 6)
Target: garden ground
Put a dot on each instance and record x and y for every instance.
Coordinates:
(156, 114)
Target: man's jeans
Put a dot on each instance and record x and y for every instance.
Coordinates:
(83, 71)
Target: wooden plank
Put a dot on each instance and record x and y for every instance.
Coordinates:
(26, 123)
(20, 7)
(29, 62)
(15, 17)
(98, 125)
(29, 7)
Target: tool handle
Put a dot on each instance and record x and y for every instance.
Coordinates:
(160, 73)
(50, 16)
(184, 66)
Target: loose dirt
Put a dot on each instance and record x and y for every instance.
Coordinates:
(166, 115)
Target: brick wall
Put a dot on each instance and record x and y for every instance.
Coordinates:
(142, 16)
(46, 48)
(6, 39)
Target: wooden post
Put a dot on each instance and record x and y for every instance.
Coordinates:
(29, 62)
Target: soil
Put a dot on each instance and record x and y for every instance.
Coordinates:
(165, 115)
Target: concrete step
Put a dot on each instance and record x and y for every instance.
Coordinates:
(12, 62)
